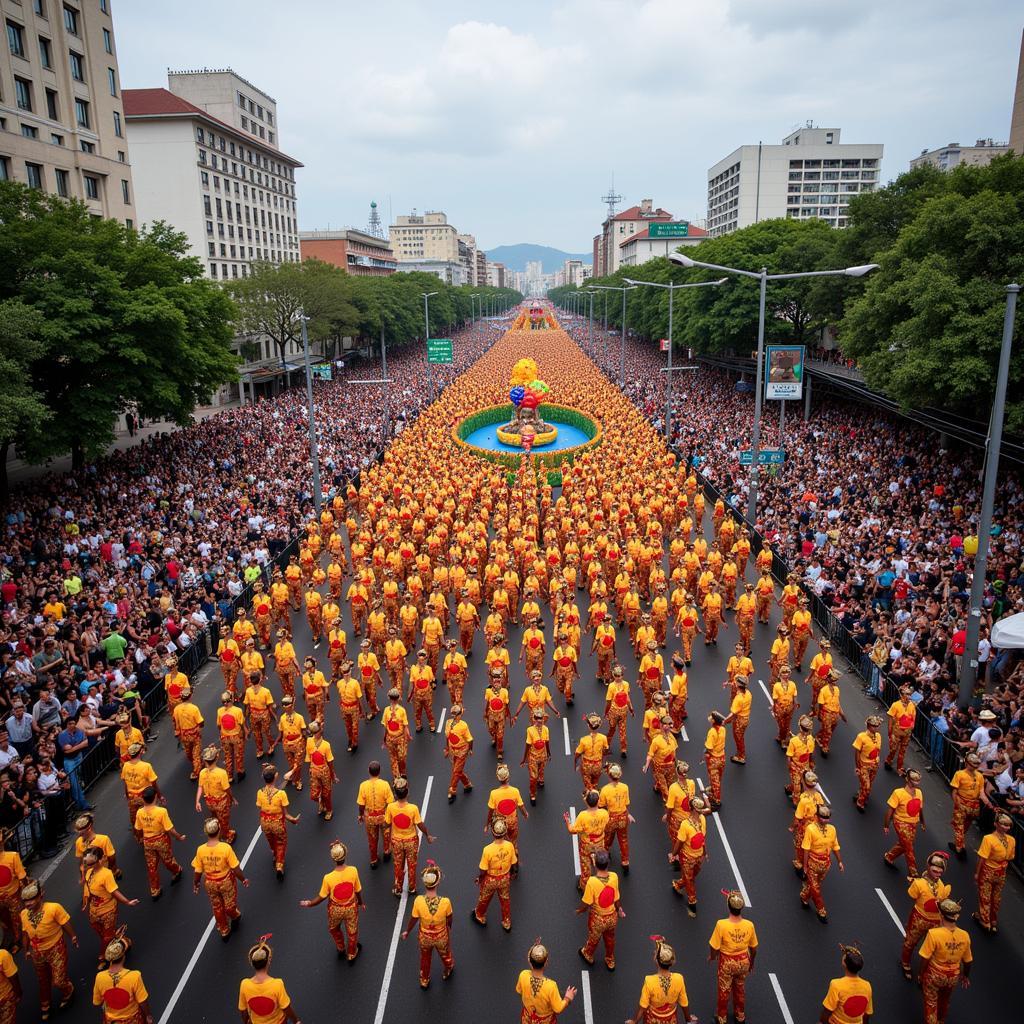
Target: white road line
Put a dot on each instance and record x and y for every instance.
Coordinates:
(440, 722)
(575, 845)
(823, 793)
(568, 742)
(760, 683)
(385, 985)
(892, 913)
(783, 1005)
(588, 1006)
(194, 959)
(728, 852)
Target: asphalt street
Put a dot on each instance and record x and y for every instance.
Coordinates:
(193, 977)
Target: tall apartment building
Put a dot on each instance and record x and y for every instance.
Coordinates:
(206, 159)
(467, 256)
(356, 252)
(811, 174)
(426, 236)
(618, 228)
(62, 124)
(984, 151)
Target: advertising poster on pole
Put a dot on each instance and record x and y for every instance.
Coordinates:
(784, 378)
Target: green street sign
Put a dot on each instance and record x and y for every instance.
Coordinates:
(439, 350)
(672, 229)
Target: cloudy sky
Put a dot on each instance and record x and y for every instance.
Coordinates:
(512, 117)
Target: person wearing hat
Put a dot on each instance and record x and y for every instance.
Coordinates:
(137, 775)
(617, 703)
(819, 845)
(86, 837)
(537, 751)
(746, 611)
(927, 892)
(602, 903)
(261, 998)
(967, 784)
(677, 802)
(458, 749)
(542, 1002)
(397, 737)
(810, 798)
(659, 610)
(252, 660)
(409, 620)
(422, 684)
(467, 618)
(506, 802)
(322, 776)
(661, 756)
(291, 734)
(603, 645)
(154, 824)
(174, 682)
(496, 863)
(713, 608)
(643, 636)
(261, 608)
(259, 706)
(315, 613)
(829, 710)
(376, 628)
(344, 892)
(454, 670)
(216, 866)
(614, 798)
(901, 715)
(285, 662)
(231, 726)
(350, 695)
(120, 992)
(784, 705)
(848, 999)
(801, 627)
(564, 667)
(779, 656)
(279, 599)
(126, 735)
(496, 709)
(733, 944)
(799, 756)
(663, 994)
(689, 850)
(789, 600)
(10, 987)
(272, 804)
(905, 812)
(678, 693)
(820, 672)
(996, 852)
(739, 664)
(651, 672)
(315, 689)
(589, 755)
(867, 747)
(12, 875)
(395, 653)
(101, 895)
(404, 820)
(293, 581)
(188, 727)
(372, 800)
(589, 827)
(47, 928)
(214, 787)
(714, 757)
(498, 657)
(764, 588)
(739, 716)
(433, 913)
(432, 630)
(243, 630)
(946, 956)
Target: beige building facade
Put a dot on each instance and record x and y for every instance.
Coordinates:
(424, 236)
(984, 151)
(62, 123)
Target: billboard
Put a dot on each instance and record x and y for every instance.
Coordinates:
(784, 376)
(321, 371)
(669, 229)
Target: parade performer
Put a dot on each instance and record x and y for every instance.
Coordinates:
(285, 662)
(614, 798)
(801, 626)
(739, 664)
(291, 732)
(652, 668)
(967, 784)
(848, 1000)
(589, 755)
(739, 716)
(664, 993)
(784, 704)
(496, 863)
(274, 817)
(433, 914)
(829, 711)
(86, 837)
(806, 810)
(10, 988)
(315, 691)
(344, 892)
(901, 715)
(259, 704)
(261, 998)
(350, 696)
(689, 851)
(467, 617)
(126, 735)
(536, 695)
(746, 611)
(506, 802)
(712, 607)
(677, 803)
(421, 691)
(322, 776)
(564, 668)
(714, 757)
(820, 671)
(662, 756)
(396, 733)
(678, 690)
(799, 756)
(12, 877)
(542, 1002)
(927, 892)
(733, 944)
(395, 653)
(905, 812)
(137, 775)
(764, 590)
(496, 710)
(215, 788)
(216, 866)
(155, 825)
(47, 928)
(372, 800)
(996, 852)
(779, 657)
(458, 749)
(818, 846)
(537, 752)
(946, 954)
(602, 903)
(120, 992)
(188, 727)
(101, 895)
(866, 749)
(454, 671)
(617, 703)
(175, 680)
(229, 655)
(403, 818)
(232, 729)
(589, 828)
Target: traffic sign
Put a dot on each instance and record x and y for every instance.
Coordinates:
(664, 344)
(672, 229)
(765, 457)
(439, 350)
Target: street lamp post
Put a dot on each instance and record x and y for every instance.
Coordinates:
(616, 288)
(387, 389)
(426, 338)
(672, 289)
(314, 453)
(969, 669)
(763, 277)
(590, 329)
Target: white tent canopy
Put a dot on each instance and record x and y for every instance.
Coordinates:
(1008, 633)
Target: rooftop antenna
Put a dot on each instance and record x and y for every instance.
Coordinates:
(375, 227)
(612, 199)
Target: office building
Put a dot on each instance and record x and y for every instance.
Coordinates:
(356, 252)
(426, 236)
(984, 151)
(617, 228)
(62, 123)
(450, 271)
(658, 240)
(811, 174)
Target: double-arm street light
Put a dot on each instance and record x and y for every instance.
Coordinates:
(472, 305)
(314, 452)
(426, 338)
(764, 277)
(672, 289)
(623, 289)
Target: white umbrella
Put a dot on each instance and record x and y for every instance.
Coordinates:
(1008, 633)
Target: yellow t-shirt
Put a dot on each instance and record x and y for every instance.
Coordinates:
(153, 821)
(849, 999)
(47, 932)
(680, 794)
(403, 819)
(800, 748)
(820, 842)
(601, 894)
(271, 804)
(593, 746)
(947, 947)
(123, 740)
(505, 800)
(906, 808)
(828, 699)
(100, 886)
(784, 694)
(137, 775)
(693, 835)
(733, 937)
(714, 743)
(258, 700)
(740, 706)
(341, 885)
(662, 749)
(992, 848)
(395, 720)
(540, 995)
(927, 896)
(374, 796)
(229, 721)
(458, 735)
(349, 693)
(868, 746)
(318, 754)
(214, 783)
(968, 784)
(497, 858)
(655, 996)
(264, 1000)
(216, 861)
(537, 738)
(614, 797)
(12, 871)
(119, 994)
(434, 919)
(590, 824)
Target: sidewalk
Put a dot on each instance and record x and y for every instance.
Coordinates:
(21, 472)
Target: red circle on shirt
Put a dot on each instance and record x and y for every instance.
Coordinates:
(823, 671)
(621, 699)
(873, 754)
(174, 690)
(607, 640)
(613, 556)
(227, 655)
(343, 892)
(367, 671)
(538, 744)
(606, 898)
(906, 721)
(803, 758)
(422, 683)
(565, 662)
(688, 622)
(697, 841)
(452, 668)
(506, 806)
(117, 998)
(335, 644)
(318, 758)
(685, 805)
(5, 875)
(228, 721)
(262, 1005)
(497, 703)
(402, 820)
(496, 662)
(913, 807)
(393, 725)
(931, 906)
(854, 1006)
(534, 642)
(653, 672)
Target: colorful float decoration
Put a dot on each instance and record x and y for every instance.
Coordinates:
(527, 393)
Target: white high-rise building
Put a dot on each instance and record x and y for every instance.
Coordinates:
(810, 175)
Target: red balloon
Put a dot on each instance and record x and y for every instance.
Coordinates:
(529, 401)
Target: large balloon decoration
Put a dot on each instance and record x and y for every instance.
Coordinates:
(516, 395)
(528, 390)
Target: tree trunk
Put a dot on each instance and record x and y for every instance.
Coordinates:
(77, 455)
(5, 491)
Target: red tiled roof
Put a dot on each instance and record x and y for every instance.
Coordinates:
(694, 232)
(163, 103)
(633, 213)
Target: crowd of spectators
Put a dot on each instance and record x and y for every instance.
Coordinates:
(109, 573)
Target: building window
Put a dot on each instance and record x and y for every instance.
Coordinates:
(204, 178)
(77, 66)
(34, 175)
(201, 136)
(30, 131)
(87, 147)
(213, 270)
(5, 169)
(82, 113)
(103, 6)
(108, 41)
(62, 183)
(52, 105)
(71, 20)
(124, 191)
(16, 39)
(241, 101)
(92, 186)
(39, 7)
(121, 156)
(117, 124)
(270, 137)
(23, 93)
(57, 140)
(45, 55)
(202, 156)
(112, 81)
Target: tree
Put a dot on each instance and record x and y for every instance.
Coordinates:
(123, 318)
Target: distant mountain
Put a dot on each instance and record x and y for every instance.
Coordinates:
(515, 257)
